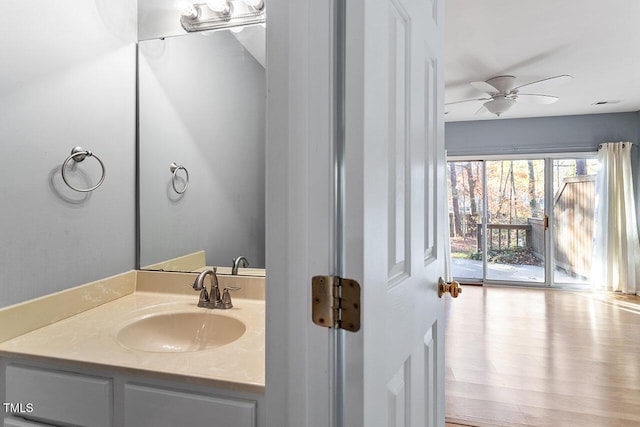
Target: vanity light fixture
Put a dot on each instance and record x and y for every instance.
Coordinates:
(186, 9)
(223, 7)
(221, 14)
(257, 4)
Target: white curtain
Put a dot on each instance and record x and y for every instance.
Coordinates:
(616, 250)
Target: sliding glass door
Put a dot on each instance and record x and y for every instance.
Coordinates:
(522, 220)
(516, 222)
(466, 207)
(574, 186)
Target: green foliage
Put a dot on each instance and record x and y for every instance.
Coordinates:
(517, 256)
(460, 255)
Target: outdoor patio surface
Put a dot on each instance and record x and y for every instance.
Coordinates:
(472, 269)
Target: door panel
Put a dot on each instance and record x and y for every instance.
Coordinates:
(398, 142)
(430, 378)
(466, 206)
(515, 229)
(431, 122)
(394, 184)
(397, 391)
(573, 219)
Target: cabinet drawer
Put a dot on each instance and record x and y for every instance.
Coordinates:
(154, 407)
(61, 397)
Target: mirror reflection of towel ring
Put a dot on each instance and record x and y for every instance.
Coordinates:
(175, 168)
(78, 154)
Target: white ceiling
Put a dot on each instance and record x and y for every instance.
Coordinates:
(595, 41)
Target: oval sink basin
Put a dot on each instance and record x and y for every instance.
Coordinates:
(180, 332)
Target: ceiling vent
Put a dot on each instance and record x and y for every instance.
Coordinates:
(605, 102)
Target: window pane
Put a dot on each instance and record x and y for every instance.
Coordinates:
(573, 205)
(515, 220)
(465, 217)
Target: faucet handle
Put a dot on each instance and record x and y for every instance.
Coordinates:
(204, 298)
(226, 297)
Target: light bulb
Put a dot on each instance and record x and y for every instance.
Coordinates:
(257, 4)
(186, 8)
(236, 30)
(220, 6)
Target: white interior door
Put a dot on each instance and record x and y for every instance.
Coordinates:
(395, 191)
(394, 177)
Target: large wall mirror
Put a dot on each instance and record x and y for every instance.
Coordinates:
(202, 100)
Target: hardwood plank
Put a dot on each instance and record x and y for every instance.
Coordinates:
(547, 400)
(575, 387)
(478, 412)
(537, 357)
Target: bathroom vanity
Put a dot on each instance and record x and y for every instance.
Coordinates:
(139, 353)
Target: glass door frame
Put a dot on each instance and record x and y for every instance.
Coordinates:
(552, 220)
(549, 234)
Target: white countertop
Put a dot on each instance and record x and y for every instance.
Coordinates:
(89, 337)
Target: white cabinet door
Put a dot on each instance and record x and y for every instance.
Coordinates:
(61, 397)
(155, 407)
(395, 189)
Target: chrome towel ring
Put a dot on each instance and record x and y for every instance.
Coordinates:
(78, 154)
(174, 168)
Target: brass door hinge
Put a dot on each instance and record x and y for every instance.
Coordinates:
(335, 302)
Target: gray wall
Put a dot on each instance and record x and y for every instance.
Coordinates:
(158, 18)
(202, 104)
(544, 134)
(67, 79)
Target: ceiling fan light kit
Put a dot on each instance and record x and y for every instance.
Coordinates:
(499, 105)
(504, 94)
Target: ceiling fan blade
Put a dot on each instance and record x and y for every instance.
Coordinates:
(467, 100)
(536, 99)
(482, 109)
(555, 80)
(484, 87)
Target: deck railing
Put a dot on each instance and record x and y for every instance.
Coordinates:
(505, 236)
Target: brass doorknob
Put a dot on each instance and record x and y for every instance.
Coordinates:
(452, 287)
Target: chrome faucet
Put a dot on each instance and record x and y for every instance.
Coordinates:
(212, 299)
(236, 261)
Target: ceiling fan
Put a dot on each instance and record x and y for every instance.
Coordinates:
(503, 93)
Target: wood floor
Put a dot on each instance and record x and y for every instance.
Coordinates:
(529, 357)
